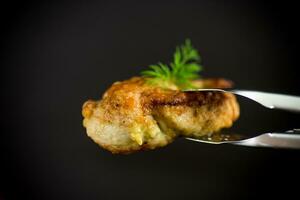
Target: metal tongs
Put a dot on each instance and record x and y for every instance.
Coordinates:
(288, 139)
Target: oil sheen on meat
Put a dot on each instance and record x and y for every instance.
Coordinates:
(133, 115)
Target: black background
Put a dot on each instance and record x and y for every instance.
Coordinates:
(57, 55)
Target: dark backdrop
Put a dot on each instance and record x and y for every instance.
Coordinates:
(57, 55)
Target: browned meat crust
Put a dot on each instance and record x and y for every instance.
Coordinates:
(133, 115)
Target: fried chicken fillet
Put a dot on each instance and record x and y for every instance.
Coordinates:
(133, 115)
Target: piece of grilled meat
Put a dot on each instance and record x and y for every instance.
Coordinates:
(133, 115)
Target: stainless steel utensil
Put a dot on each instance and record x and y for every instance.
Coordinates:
(288, 139)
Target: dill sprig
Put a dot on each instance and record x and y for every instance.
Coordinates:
(181, 71)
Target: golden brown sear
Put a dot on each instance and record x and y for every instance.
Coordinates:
(133, 115)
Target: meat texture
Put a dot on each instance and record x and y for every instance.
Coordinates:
(134, 115)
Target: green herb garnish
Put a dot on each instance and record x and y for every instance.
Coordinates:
(180, 72)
